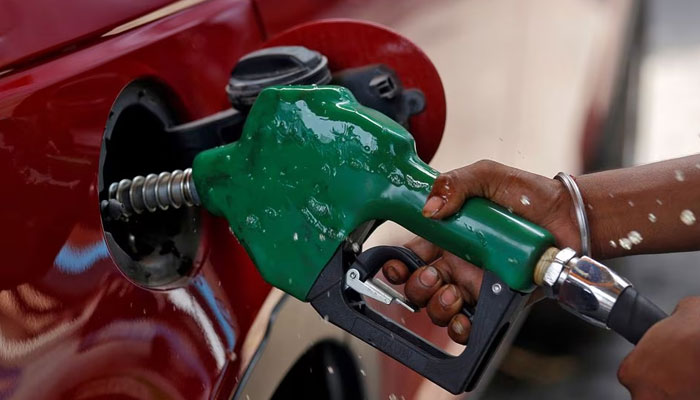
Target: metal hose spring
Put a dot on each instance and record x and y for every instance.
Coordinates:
(153, 192)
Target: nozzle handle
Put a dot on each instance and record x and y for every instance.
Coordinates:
(633, 315)
(481, 232)
(495, 312)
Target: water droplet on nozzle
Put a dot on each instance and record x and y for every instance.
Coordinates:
(688, 217)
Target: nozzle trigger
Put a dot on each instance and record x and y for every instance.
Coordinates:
(376, 289)
(369, 263)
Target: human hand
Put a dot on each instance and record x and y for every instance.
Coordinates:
(447, 281)
(665, 364)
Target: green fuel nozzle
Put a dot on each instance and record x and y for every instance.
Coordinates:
(312, 168)
(313, 165)
(314, 172)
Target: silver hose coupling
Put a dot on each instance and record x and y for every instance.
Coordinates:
(154, 192)
(583, 286)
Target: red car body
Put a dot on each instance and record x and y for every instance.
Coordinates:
(71, 324)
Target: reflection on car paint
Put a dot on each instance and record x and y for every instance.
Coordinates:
(220, 313)
(76, 257)
(187, 303)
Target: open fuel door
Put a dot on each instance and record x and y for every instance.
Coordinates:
(382, 69)
(353, 47)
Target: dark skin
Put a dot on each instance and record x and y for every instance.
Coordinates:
(618, 202)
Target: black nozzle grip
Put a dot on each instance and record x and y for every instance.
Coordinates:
(495, 311)
(633, 314)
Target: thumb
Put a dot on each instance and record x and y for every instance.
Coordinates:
(442, 200)
(451, 189)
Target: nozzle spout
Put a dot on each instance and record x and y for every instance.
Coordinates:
(151, 193)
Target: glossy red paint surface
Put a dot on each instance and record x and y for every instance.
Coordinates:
(71, 325)
(276, 16)
(29, 29)
(349, 44)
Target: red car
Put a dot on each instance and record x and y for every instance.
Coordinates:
(170, 306)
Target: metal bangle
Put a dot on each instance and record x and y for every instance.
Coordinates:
(580, 209)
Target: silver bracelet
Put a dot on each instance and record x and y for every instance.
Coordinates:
(580, 209)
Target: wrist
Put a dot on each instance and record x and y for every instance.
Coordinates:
(578, 211)
(602, 220)
(560, 216)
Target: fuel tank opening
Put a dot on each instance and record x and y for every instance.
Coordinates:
(155, 250)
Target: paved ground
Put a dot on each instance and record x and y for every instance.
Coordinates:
(515, 75)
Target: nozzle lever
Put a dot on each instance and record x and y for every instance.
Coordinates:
(376, 289)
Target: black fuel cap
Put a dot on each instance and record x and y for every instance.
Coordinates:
(283, 65)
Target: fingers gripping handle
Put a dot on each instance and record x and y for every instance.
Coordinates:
(371, 261)
(633, 315)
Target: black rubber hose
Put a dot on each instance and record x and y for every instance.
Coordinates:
(633, 314)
